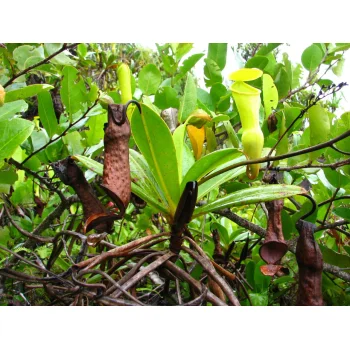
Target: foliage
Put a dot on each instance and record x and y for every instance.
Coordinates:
(55, 106)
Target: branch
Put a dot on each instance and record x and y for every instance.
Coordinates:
(63, 132)
(271, 159)
(291, 168)
(332, 225)
(24, 232)
(49, 185)
(335, 270)
(47, 59)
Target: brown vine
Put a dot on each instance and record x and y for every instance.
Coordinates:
(310, 262)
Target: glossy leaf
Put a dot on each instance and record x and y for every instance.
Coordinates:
(250, 196)
(47, 113)
(312, 57)
(335, 178)
(232, 136)
(166, 97)
(208, 163)
(10, 109)
(212, 72)
(217, 52)
(282, 83)
(28, 91)
(62, 58)
(342, 212)
(189, 100)
(178, 139)
(13, 134)
(73, 141)
(319, 127)
(154, 140)
(149, 79)
(334, 258)
(270, 94)
(22, 53)
(73, 92)
(259, 62)
(187, 65)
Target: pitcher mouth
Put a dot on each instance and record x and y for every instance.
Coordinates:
(241, 88)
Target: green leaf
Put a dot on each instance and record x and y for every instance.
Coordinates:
(13, 134)
(149, 79)
(73, 143)
(297, 75)
(319, 128)
(73, 91)
(259, 299)
(270, 94)
(212, 72)
(232, 136)
(95, 133)
(28, 91)
(205, 98)
(47, 113)
(342, 212)
(282, 83)
(339, 47)
(334, 258)
(22, 53)
(335, 178)
(217, 52)
(154, 140)
(178, 139)
(10, 109)
(187, 65)
(338, 68)
(54, 150)
(250, 196)
(61, 58)
(166, 97)
(311, 57)
(259, 62)
(189, 100)
(182, 49)
(208, 163)
(267, 48)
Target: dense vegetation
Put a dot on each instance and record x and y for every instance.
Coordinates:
(239, 194)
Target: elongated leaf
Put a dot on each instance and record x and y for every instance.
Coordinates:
(270, 94)
(178, 138)
(187, 65)
(73, 92)
(47, 113)
(232, 136)
(13, 134)
(250, 196)
(217, 52)
(9, 110)
(189, 101)
(208, 163)
(154, 140)
(334, 258)
(28, 91)
(212, 72)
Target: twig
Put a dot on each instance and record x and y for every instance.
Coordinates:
(47, 59)
(271, 159)
(330, 205)
(62, 133)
